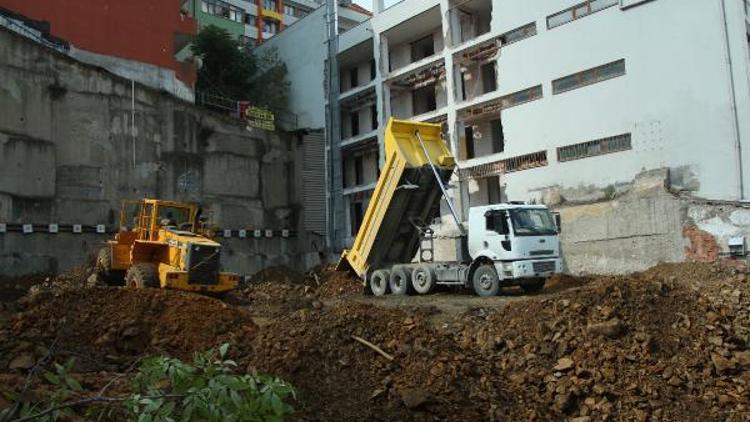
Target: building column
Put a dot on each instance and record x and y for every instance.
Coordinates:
(382, 91)
(452, 116)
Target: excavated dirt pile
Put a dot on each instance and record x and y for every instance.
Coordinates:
(107, 328)
(671, 343)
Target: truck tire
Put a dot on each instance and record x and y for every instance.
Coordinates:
(400, 283)
(103, 268)
(142, 275)
(379, 282)
(485, 281)
(533, 285)
(422, 279)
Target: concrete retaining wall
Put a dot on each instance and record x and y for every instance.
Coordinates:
(71, 151)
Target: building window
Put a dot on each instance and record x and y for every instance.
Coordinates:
(250, 19)
(424, 100)
(489, 81)
(518, 34)
(588, 77)
(493, 190)
(359, 170)
(594, 148)
(353, 77)
(354, 119)
(355, 215)
(222, 9)
(422, 48)
(525, 162)
(520, 97)
(510, 165)
(469, 137)
(269, 4)
(271, 27)
(290, 10)
(374, 117)
(498, 137)
(578, 11)
(372, 69)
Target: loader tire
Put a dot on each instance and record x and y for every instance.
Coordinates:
(400, 282)
(422, 279)
(103, 268)
(141, 275)
(379, 282)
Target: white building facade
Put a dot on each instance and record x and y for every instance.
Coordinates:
(554, 101)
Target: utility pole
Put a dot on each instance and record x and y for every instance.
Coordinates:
(333, 130)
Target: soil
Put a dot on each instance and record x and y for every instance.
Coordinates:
(670, 343)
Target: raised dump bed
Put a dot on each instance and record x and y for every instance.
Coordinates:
(407, 196)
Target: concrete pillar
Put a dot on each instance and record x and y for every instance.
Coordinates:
(383, 102)
(378, 6)
(450, 87)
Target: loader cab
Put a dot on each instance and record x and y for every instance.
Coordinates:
(504, 232)
(155, 215)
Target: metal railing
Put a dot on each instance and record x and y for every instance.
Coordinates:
(284, 120)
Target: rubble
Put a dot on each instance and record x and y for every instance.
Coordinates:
(670, 343)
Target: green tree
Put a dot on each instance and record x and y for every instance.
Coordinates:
(229, 70)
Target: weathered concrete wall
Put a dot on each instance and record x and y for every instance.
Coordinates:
(635, 226)
(70, 151)
(632, 226)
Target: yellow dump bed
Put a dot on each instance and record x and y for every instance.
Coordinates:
(407, 195)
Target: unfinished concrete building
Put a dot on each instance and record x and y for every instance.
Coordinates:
(567, 103)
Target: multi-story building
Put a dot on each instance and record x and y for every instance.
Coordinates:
(254, 21)
(545, 99)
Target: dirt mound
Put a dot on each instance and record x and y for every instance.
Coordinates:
(108, 327)
(331, 283)
(668, 343)
(278, 290)
(671, 343)
(278, 274)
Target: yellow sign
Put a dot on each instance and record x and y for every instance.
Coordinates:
(261, 118)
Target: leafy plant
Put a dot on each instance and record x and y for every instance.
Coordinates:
(229, 70)
(65, 387)
(170, 390)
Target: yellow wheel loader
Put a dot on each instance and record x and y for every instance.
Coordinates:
(160, 244)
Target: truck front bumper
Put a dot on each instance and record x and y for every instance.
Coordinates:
(532, 268)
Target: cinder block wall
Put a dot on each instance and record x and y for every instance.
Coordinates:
(71, 151)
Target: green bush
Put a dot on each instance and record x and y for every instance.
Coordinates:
(168, 389)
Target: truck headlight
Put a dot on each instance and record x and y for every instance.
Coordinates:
(507, 266)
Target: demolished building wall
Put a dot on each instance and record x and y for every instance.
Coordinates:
(75, 140)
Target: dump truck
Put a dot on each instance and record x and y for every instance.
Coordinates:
(161, 244)
(393, 252)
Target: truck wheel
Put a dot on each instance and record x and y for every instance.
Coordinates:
(399, 282)
(485, 281)
(141, 275)
(379, 282)
(422, 279)
(533, 285)
(103, 268)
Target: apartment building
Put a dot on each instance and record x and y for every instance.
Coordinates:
(560, 102)
(255, 21)
(553, 98)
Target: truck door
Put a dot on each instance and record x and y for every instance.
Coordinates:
(497, 232)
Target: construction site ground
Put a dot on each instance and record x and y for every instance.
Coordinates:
(670, 343)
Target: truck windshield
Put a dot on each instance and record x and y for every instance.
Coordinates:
(532, 222)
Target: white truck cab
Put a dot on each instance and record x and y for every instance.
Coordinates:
(520, 240)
